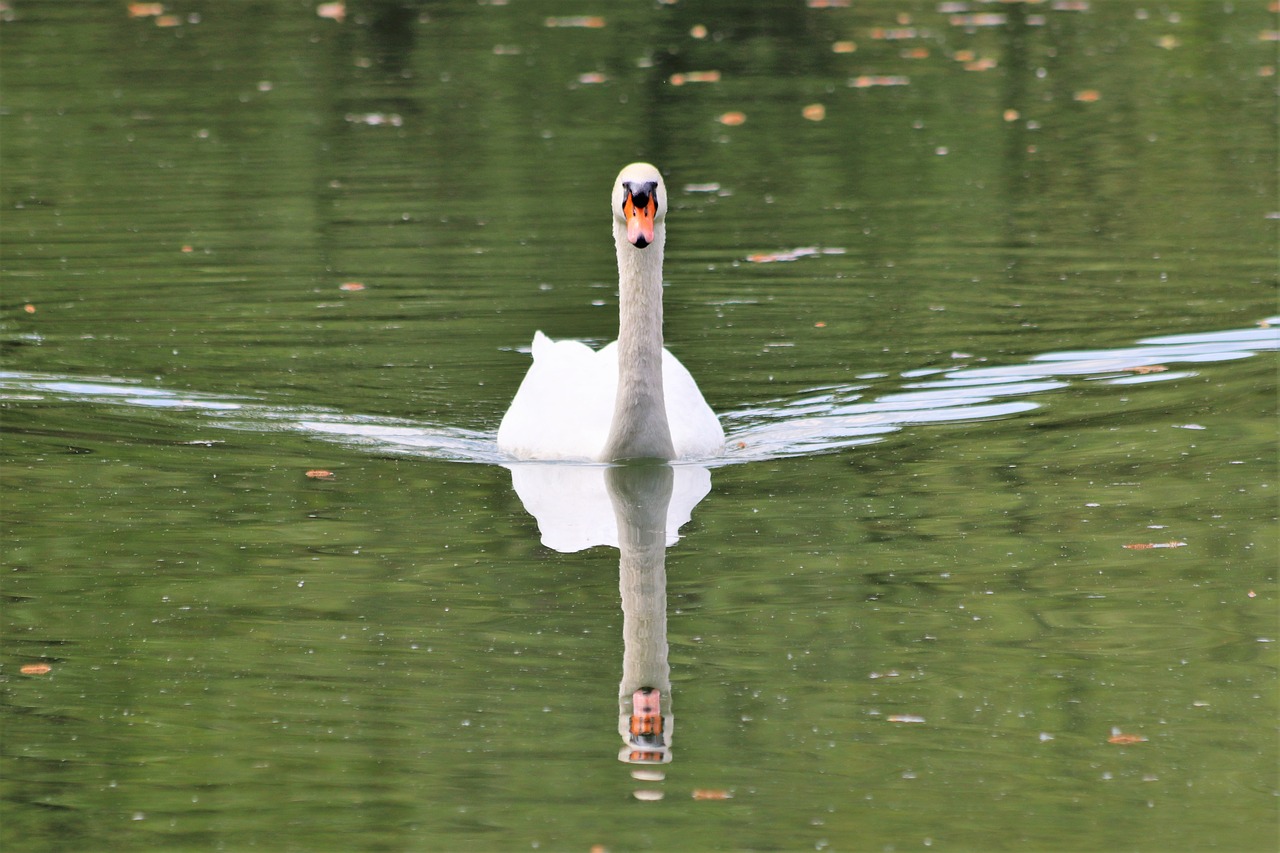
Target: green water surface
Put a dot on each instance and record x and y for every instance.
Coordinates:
(927, 637)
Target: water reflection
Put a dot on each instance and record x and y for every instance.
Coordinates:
(639, 509)
(576, 505)
(640, 495)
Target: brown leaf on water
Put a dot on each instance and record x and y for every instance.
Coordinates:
(679, 79)
(35, 669)
(711, 794)
(893, 34)
(321, 474)
(1143, 546)
(332, 11)
(979, 19)
(866, 81)
(591, 22)
(1123, 739)
(788, 255)
(731, 119)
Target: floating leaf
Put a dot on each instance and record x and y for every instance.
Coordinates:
(695, 77)
(1120, 737)
(711, 794)
(593, 22)
(980, 19)
(793, 254)
(866, 81)
(145, 10)
(332, 11)
(896, 34)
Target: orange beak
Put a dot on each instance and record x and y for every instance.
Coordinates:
(639, 219)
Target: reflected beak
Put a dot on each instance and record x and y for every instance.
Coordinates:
(639, 213)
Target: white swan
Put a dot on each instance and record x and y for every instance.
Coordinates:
(632, 399)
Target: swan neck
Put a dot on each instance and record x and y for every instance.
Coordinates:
(639, 429)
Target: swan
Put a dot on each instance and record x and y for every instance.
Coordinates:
(632, 399)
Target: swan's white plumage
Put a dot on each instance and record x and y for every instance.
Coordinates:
(566, 406)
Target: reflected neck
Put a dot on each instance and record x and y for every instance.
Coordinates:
(639, 429)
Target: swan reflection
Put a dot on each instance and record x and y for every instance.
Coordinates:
(637, 508)
(640, 495)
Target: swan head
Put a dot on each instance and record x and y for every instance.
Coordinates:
(639, 204)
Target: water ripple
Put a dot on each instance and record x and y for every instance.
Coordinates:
(819, 420)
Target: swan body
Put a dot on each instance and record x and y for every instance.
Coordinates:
(632, 399)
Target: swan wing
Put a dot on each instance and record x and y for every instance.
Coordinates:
(695, 429)
(564, 405)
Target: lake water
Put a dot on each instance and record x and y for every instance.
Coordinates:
(984, 293)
